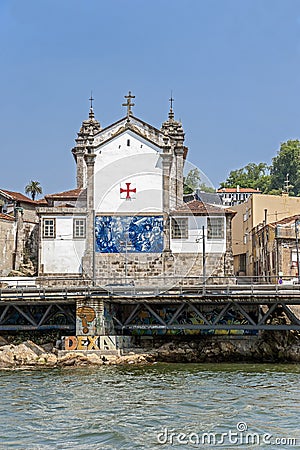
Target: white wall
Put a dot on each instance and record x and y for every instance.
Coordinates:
(191, 245)
(116, 164)
(62, 254)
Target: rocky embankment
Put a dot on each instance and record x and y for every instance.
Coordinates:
(28, 354)
(269, 347)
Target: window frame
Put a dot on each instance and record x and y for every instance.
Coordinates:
(211, 230)
(83, 220)
(48, 226)
(178, 231)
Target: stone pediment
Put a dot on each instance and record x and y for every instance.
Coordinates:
(134, 124)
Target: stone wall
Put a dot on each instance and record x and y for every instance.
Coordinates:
(7, 245)
(180, 268)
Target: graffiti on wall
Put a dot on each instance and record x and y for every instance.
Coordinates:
(129, 234)
(189, 317)
(86, 315)
(96, 342)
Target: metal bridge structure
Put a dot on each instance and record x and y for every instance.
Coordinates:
(201, 307)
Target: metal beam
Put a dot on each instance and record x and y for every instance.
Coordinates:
(199, 314)
(177, 313)
(279, 327)
(244, 313)
(153, 313)
(27, 317)
(67, 313)
(31, 327)
(268, 313)
(4, 313)
(221, 314)
(290, 314)
(133, 313)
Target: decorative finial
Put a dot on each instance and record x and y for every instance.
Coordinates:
(91, 99)
(128, 104)
(91, 113)
(171, 100)
(171, 113)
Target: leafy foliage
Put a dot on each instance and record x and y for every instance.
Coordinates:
(33, 188)
(191, 181)
(253, 175)
(287, 162)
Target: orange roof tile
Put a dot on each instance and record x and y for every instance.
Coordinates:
(200, 208)
(72, 194)
(7, 217)
(18, 196)
(42, 201)
(238, 190)
(287, 220)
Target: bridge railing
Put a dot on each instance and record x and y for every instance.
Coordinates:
(160, 282)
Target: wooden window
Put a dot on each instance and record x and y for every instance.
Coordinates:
(79, 228)
(180, 228)
(215, 228)
(49, 228)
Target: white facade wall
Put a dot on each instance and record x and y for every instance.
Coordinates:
(138, 163)
(194, 243)
(62, 254)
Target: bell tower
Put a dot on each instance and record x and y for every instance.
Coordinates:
(89, 128)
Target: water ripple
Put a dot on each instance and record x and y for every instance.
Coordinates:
(125, 407)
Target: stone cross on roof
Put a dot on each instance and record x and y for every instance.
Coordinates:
(128, 103)
(91, 99)
(171, 113)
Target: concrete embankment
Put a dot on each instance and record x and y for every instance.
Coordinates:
(268, 347)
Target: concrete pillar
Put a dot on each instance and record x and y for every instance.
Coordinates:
(228, 257)
(166, 163)
(90, 317)
(88, 259)
(78, 153)
(179, 174)
(19, 246)
(80, 170)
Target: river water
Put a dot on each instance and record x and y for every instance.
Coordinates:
(160, 406)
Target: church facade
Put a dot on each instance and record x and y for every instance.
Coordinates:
(126, 219)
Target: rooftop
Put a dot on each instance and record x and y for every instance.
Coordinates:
(17, 196)
(197, 207)
(237, 190)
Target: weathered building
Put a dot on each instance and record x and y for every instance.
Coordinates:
(127, 219)
(7, 243)
(276, 250)
(235, 196)
(258, 209)
(18, 233)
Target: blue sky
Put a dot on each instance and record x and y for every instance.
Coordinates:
(233, 66)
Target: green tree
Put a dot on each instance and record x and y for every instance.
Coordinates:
(191, 181)
(286, 163)
(33, 188)
(204, 188)
(253, 175)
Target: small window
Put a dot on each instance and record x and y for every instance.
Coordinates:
(215, 228)
(79, 228)
(180, 228)
(49, 228)
(128, 142)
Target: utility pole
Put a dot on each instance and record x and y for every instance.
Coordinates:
(297, 248)
(203, 255)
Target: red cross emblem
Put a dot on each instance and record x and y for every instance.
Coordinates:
(127, 191)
